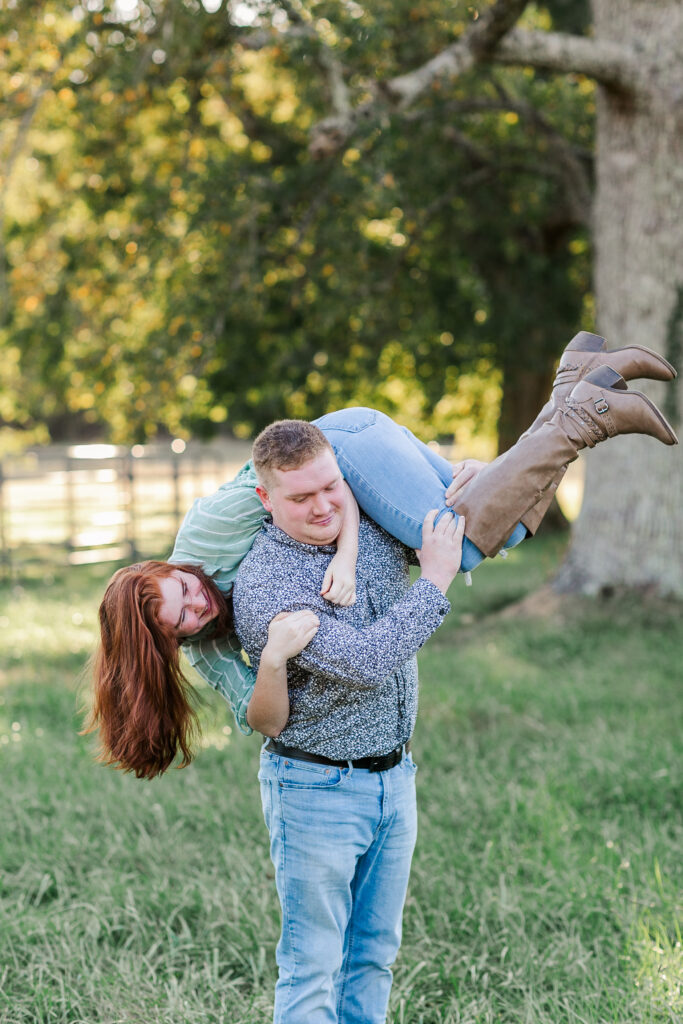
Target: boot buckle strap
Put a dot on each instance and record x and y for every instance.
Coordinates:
(601, 405)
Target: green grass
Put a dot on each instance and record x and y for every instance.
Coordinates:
(546, 886)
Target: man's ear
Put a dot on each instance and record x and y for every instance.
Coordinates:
(265, 500)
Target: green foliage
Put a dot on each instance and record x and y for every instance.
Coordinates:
(175, 259)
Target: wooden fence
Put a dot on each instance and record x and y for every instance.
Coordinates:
(97, 503)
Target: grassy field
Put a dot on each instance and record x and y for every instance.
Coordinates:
(546, 885)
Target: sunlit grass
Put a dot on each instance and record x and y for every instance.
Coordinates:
(657, 954)
(547, 879)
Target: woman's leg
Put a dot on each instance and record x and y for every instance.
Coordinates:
(441, 466)
(395, 478)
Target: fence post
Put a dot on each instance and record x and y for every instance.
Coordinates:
(130, 519)
(70, 497)
(4, 543)
(175, 470)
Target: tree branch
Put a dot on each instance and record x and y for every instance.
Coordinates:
(328, 136)
(302, 20)
(476, 43)
(259, 39)
(46, 80)
(609, 63)
(490, 37)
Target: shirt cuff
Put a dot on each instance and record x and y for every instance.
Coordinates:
(435, 601)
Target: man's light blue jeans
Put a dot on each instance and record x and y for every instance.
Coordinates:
(341, 842)
(395, 478)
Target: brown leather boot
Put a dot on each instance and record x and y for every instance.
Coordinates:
(536, 514)
(514, 487)
(586, 352)
(601, 406)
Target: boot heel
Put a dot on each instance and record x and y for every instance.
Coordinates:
(584, 341)
(605, 377)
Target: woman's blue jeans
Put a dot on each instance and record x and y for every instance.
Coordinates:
(341, 842)
(395, 478)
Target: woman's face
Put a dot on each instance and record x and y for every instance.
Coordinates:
(186, 605)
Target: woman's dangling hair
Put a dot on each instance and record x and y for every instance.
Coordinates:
(144, 707)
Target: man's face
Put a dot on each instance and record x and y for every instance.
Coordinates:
(307, 503)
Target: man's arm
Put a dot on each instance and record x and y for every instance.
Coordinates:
(367, 656)
(268, 708)
(346, 654)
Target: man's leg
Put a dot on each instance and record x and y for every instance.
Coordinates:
(373, 936)
(321, 822)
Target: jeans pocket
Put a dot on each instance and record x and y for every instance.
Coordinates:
(409, 765)
(266, 801)
(297, 775)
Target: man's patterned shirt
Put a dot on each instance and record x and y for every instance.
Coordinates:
(353, 689)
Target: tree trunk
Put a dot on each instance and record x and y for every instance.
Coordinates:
(524, 392)
(630, 529)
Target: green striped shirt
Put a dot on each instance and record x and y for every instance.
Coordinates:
(216, 534)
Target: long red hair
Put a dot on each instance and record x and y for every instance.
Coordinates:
(143, 706)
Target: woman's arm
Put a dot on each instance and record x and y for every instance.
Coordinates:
(339, 583)
(219, 662)
(288, 634)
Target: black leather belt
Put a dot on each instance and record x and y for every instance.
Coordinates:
(381, 763)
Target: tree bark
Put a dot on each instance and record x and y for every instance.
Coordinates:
(629, 531)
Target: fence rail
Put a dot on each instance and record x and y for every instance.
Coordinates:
(80, 504)
(99, 503)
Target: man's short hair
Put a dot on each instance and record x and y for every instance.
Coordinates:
(286, 444)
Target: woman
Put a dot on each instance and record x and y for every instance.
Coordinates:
(143, 704)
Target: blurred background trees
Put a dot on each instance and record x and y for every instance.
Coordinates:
(175, 258)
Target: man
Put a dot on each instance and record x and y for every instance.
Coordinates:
(338, 785)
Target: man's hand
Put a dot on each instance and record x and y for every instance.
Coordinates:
(463, 473)
(441, 551)
(339, 582)
(288, 634)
